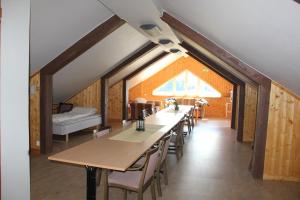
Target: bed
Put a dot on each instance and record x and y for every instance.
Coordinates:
(77, 119)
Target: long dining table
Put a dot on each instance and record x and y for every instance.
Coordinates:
(119, 149)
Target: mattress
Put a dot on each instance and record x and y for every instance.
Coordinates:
(70, 126)
(75, 113)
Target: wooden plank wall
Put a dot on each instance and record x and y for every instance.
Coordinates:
(115, 101)
(282, 158)
(34, 112)
(88, 97)
(217, 105)
(250, 113)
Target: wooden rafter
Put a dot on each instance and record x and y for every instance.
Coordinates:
(46, 73)
(263, 82)
(131, 75)
(150, 46)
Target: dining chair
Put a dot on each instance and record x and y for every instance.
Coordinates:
(162, 166)
(177, 140)
(137, 179)
(98, 135)
(189, 121)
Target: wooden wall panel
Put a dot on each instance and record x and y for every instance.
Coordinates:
(217, 105)
(115, 100)
(89, 97)
(250, 113)
(34, 112)
(282, 158)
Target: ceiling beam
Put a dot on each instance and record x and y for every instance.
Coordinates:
(137, 55)
(57, 64)
(144, 66)
(83, 44)
(215, 49)
(131, 75)
(200, 57)
(264, 88)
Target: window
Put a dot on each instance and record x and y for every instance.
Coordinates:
(186, 84)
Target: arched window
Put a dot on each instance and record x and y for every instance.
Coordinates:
(186, 84)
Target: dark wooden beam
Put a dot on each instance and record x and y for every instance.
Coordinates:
(144, 66)
(125, 100)
(46, 130)
(215, 49)
(264, 88)
(234, 104)
(137, 55)
(129, 76)
(104, 102)
(241, 113)
(200, 57)
(57, 64)
(226, 75)
(84, 44)
(104, 79)
(262, 115)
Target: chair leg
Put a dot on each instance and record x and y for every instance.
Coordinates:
(124, 194)
(98, 176)
(177, 153)
(153, 190)
(165, 172)
(158, 182)
(140, 195)
(105, 183)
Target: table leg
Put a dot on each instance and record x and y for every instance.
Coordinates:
(91, 183)
(105, 183)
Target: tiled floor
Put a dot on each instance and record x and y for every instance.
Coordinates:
(214, 167)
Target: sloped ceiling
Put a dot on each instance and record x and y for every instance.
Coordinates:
(56, 25)
(97, 61)
(264, 34)
(152, 70)
(135, 65)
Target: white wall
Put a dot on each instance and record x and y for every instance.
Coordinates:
(15, 180)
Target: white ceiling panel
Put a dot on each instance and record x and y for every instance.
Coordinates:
(57, 24)
(98, 60)
(152, 69)
(135, 65)
(264, 34)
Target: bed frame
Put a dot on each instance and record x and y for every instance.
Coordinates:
(69, 127)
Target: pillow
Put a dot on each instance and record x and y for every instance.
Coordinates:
(65, 107)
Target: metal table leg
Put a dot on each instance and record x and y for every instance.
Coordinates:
(91, 183)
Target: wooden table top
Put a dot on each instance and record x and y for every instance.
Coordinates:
(119, 155)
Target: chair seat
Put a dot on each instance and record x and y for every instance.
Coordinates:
(128, 179)
(140, 162)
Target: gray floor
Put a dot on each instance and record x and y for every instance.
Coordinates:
(214, 167)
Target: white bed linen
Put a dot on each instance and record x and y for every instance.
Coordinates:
(70, 126)
(75, 113)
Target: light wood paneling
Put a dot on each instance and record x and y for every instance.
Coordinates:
(115, 101)
(34, 112)
(89, 97)
(250, 113)
(282, 158)
(217, 105)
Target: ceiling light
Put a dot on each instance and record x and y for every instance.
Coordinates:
(175, 50)
(166, 42)
(151, 29)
